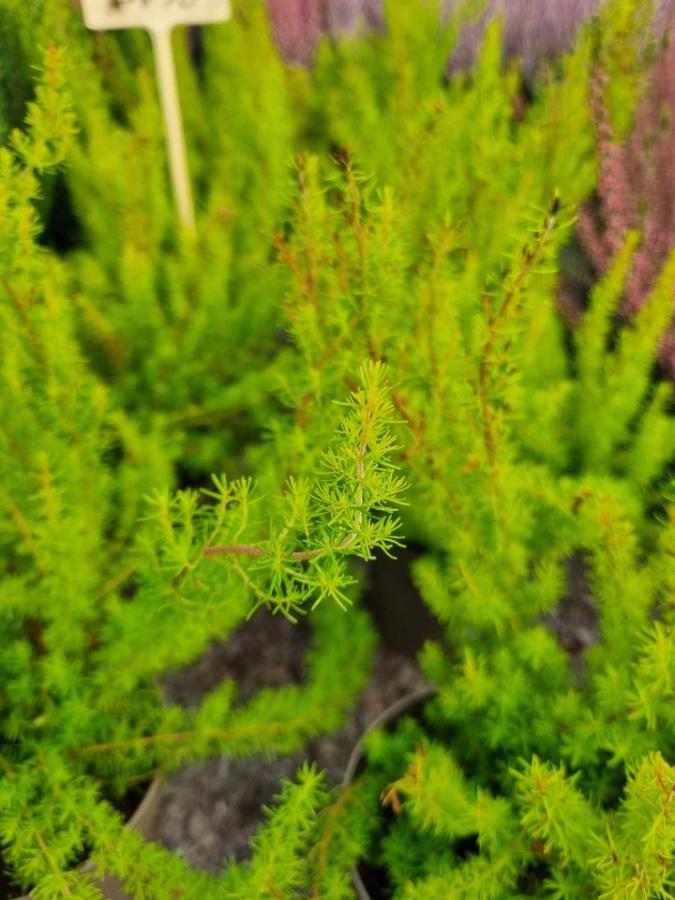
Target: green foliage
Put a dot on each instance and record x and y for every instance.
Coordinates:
(93, 607)
(406, 336)
(307, 533)
(279, 866)
(532, 450)
(183, 328)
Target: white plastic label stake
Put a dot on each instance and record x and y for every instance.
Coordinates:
(159, 17)
(101, 15)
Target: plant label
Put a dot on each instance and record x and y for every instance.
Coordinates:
(159, 17)
(101, 15)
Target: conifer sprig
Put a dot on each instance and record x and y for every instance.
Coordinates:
(279, 866)
(347, 509)
(50, 119)
(492, 359)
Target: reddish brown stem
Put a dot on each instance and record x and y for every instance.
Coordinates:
(233, 550)
(530, 257)
(295, 556)
(246, 550)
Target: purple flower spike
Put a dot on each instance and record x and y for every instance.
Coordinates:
(297, 26)
(533, 29)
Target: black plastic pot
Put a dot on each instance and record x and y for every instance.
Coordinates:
(400, 615)
(386, 718)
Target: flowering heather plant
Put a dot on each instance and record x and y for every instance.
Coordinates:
(541, 769)
(297, 26)
(347, 15)
(532, 28)
(636, 189)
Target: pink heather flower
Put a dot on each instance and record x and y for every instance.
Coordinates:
(636, 188)
(616, 194)
(533, 29)
(348, 16)
(663, 15)
(299, 24)
(297, 27)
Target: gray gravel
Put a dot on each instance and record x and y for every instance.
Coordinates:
(210, 811)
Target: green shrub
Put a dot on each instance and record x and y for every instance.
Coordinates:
(104, 587)
(410, 321)
(530, 450)
(182, 327)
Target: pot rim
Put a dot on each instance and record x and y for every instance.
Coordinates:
(392, 712)
(147, 807)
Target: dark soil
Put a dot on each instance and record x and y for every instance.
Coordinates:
(6, 889)
(210, 811)
(401, 617)
(574, 621)
(266, 651)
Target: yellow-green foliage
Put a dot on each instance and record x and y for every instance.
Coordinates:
(363, 326)
(526, 445)
(101, 590)
(172, 321)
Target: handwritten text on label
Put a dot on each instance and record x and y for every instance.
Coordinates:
(154, 15)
